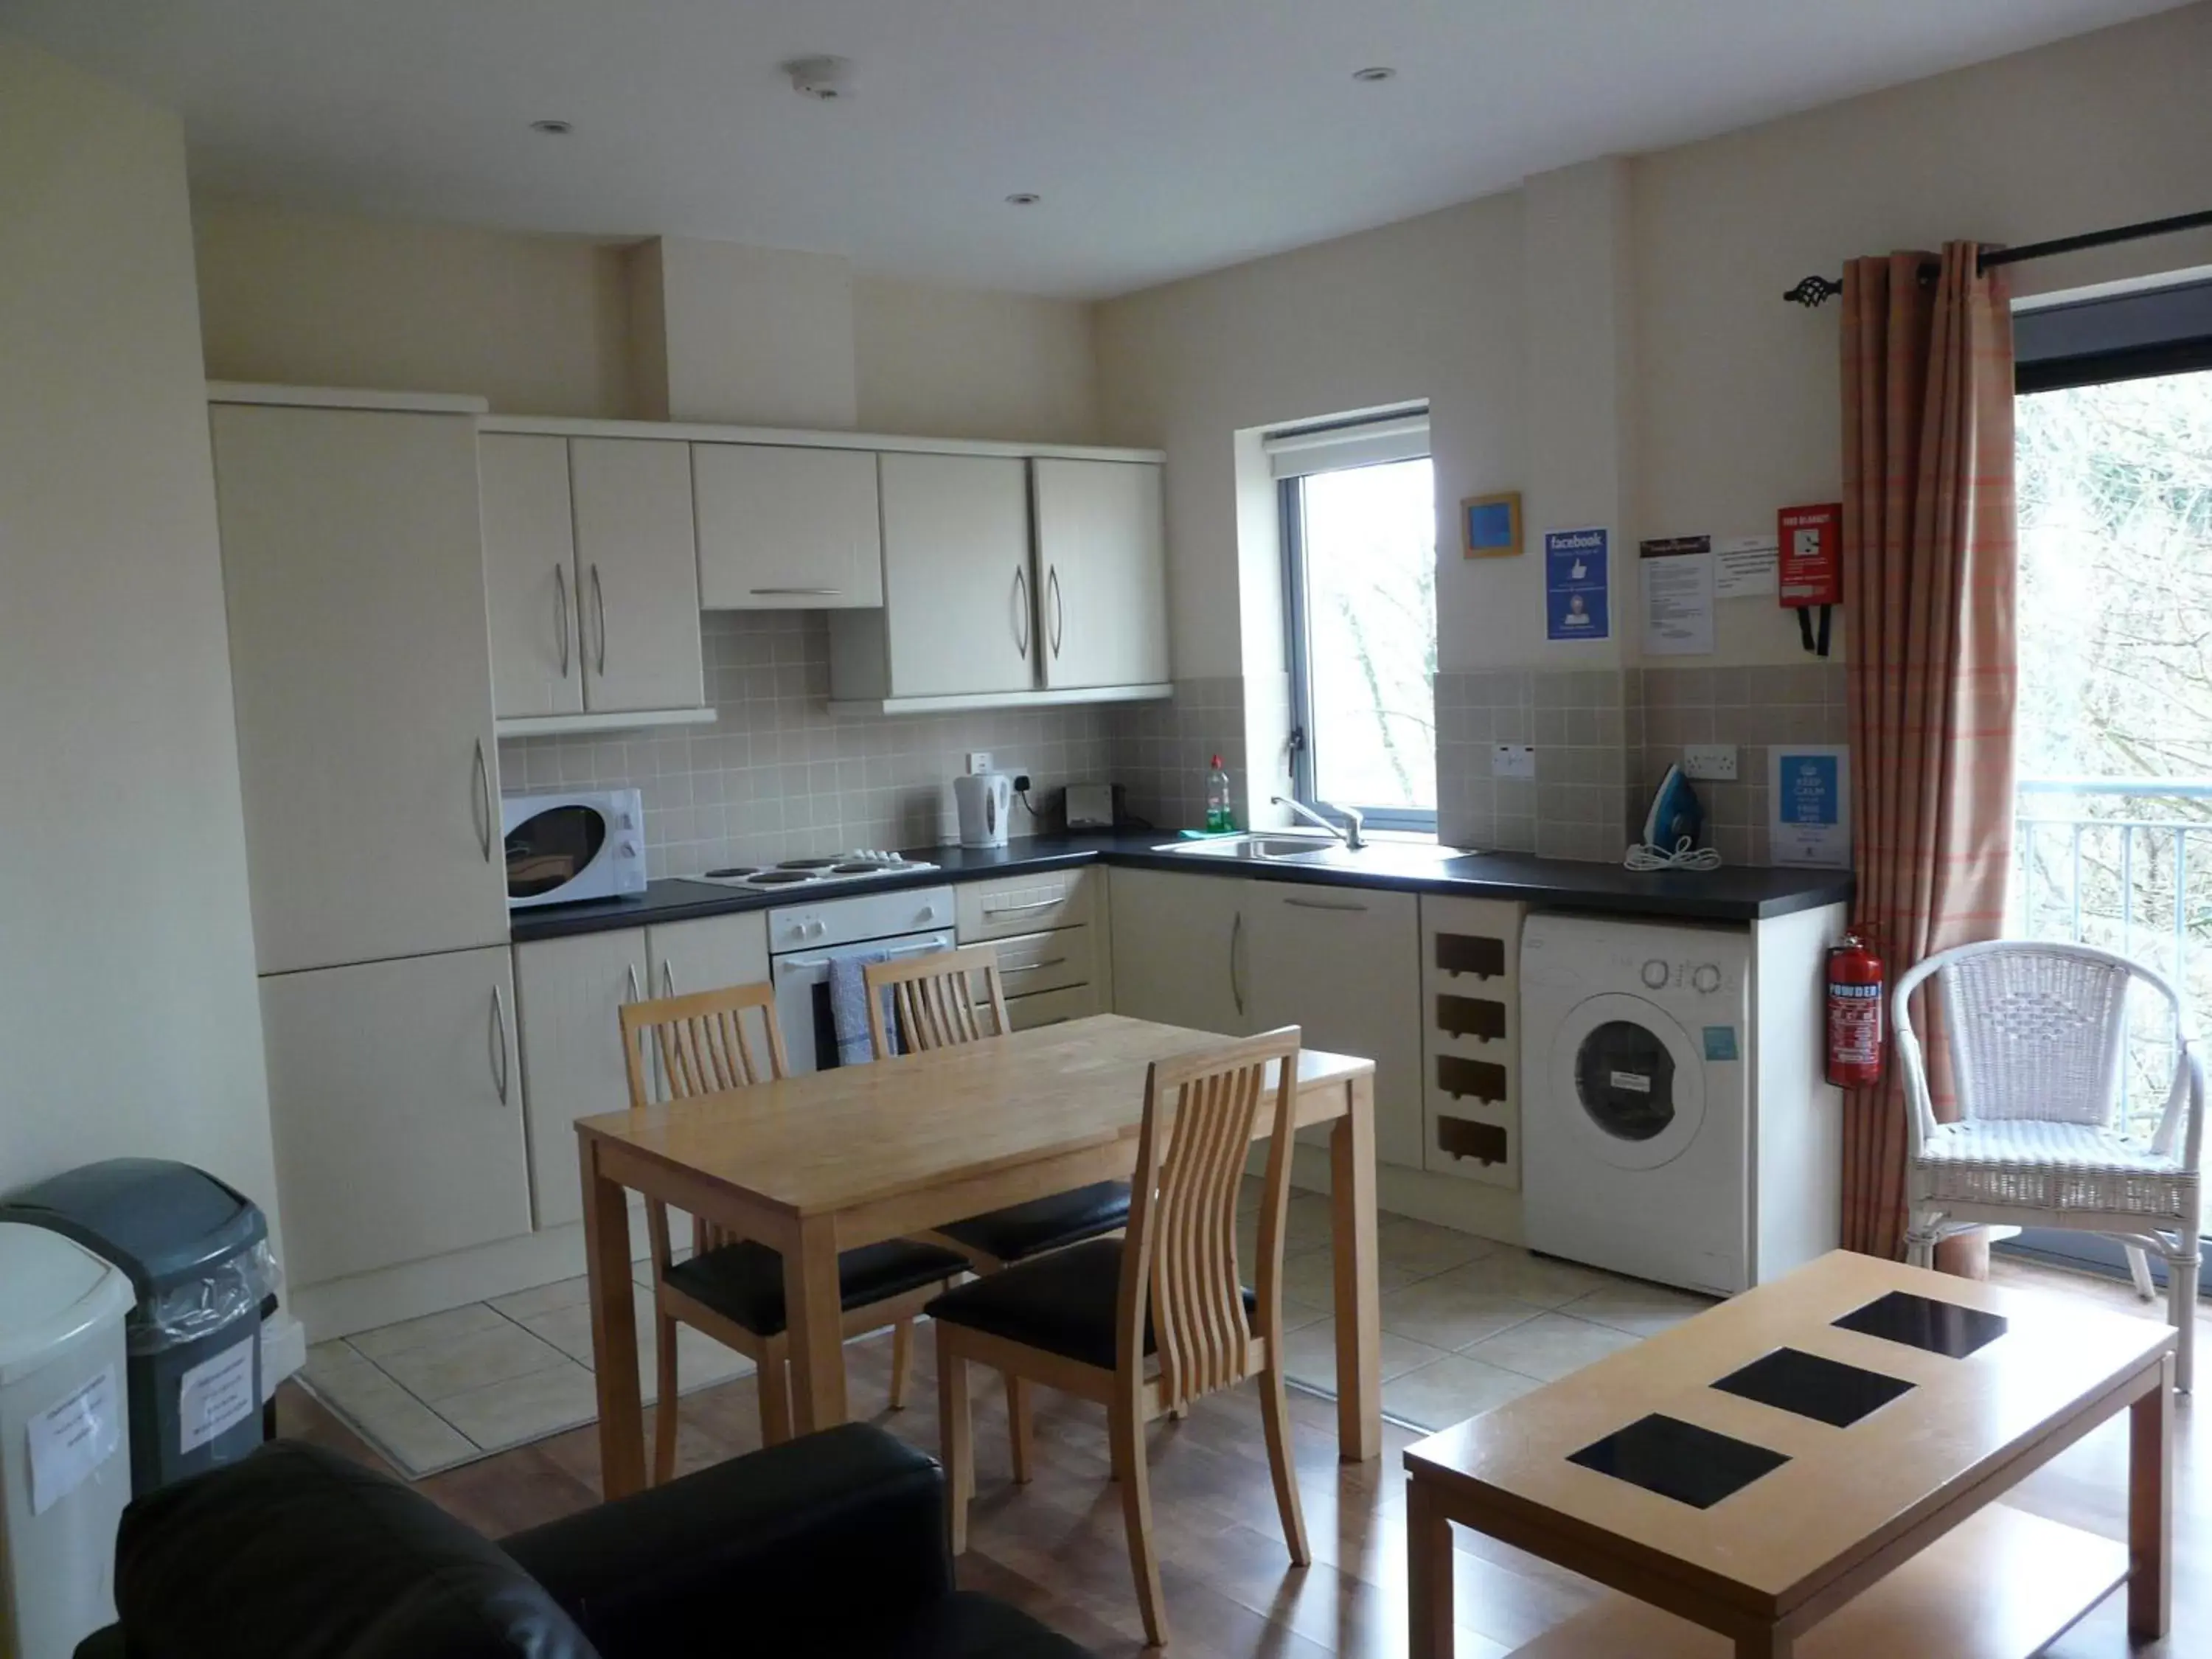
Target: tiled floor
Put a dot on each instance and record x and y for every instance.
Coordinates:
(1467, 1324)
(443, 1390)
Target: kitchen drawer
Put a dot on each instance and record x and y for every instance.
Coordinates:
(1053, 1007)
(1048, 962)
(1004, 908)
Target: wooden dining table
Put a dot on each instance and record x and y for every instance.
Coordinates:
(828, 1161)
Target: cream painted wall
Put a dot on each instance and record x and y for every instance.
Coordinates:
(1723, 400)
(130, 1022)
(539, 324)
(1740, 404)
(1430, 307)
(945, 363)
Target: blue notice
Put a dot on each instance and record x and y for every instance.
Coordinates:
(1576, 566)
(1810, 794)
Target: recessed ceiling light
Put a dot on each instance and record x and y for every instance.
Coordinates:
(553, 128)
(1023, 198)
(823, 79)
(1374, 72)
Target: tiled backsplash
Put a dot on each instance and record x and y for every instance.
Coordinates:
(779, 776)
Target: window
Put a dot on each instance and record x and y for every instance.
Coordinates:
(1359, 540)
(2112, 838)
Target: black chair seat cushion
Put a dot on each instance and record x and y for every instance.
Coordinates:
(297, 1553)
(1022, 1230)
(744, 1282)
(1063, 1303)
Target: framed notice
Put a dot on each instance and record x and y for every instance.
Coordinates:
(1490, 526)
(1808, 788)
(1576, 574)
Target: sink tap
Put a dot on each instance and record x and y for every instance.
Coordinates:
(1350, 834)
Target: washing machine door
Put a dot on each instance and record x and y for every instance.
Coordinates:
(1629, 1081)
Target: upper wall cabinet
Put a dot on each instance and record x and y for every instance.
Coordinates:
(959, 602)
(1101, 562)
(353, 569)
(637, 568)
(788, 528)
(529, 573)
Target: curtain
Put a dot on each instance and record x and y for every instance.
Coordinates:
(1928, 570)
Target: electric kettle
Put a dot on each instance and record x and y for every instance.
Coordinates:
(986, 800)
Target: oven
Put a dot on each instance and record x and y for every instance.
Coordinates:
(566, 849)
(804, 940)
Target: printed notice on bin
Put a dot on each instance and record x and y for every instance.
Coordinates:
(216, 1394)
(71, 1439)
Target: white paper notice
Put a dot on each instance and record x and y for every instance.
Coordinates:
(1744, 567)
(1678, 606)
(69, 1441)
(216, 1394)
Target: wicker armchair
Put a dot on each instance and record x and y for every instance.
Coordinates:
(2037, 1035)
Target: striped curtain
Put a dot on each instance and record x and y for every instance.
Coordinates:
(1928, 570)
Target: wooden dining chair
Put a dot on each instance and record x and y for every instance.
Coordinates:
(1147, 1323)
(732, 1288)
(950, 997)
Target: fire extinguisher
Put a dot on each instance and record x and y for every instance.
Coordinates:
(1855, 975)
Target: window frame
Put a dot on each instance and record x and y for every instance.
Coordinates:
(1298, 657)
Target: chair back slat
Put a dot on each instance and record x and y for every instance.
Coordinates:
(2036, 1033)
(939, 999)
(1180, 1262)
(704, 1046)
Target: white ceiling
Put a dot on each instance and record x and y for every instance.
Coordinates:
(1167, 136)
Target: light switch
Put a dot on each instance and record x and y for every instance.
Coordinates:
(1513, 760)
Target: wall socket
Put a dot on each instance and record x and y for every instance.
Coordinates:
(979, 760)
(1714, 762)
(1513, 760)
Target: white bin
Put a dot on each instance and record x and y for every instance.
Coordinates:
(65, 1428)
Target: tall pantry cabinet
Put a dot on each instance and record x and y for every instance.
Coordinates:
(353, 572)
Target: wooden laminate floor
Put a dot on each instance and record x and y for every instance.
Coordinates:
(1056, 1548)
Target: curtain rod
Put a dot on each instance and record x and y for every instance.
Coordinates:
(1819, 290)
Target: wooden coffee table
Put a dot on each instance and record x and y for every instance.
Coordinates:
(1857, 1519)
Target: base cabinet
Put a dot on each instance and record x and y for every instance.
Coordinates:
(707, 954)
(1343, 963)
(396, 1107)
(1180, 954)
(1471, 1038)
(569, 994)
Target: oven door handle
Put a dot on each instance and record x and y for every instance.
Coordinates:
(809, 963)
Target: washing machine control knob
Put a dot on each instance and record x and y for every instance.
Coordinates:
(1705, 979)
(1656, 974)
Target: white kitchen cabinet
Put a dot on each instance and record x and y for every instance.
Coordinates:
(353, 572)
(529, 576)
(637, 565)
(960, 612)
(395, 1104)
(568, 997)
(1182, 950)
(1344, 964)
(707, 954)
(1101, 573)
(786, 529)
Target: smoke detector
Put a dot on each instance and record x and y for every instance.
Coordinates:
(821, 78)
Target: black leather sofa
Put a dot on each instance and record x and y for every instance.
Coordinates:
(832, 1545)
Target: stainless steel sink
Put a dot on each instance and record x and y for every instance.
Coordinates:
(1291, 848)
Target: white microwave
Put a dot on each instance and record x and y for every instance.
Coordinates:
(563, 849)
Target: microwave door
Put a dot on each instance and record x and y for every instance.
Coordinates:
(549, 853)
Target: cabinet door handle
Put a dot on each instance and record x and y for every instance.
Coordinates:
(1021, 611)
(636, 995)
(501, 1060)
(1235, 949)
(1039, 904)
(797, 592)
(599, 606)
(1322, 904)
(1032, 967)
(667, 978)
(483, 802)
(1058, 611)
(561, 591)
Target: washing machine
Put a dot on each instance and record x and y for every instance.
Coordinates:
(1636, 1104)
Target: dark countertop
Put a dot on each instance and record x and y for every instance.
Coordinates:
(1729, 894)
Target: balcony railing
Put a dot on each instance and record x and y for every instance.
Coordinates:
(2125, 864)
